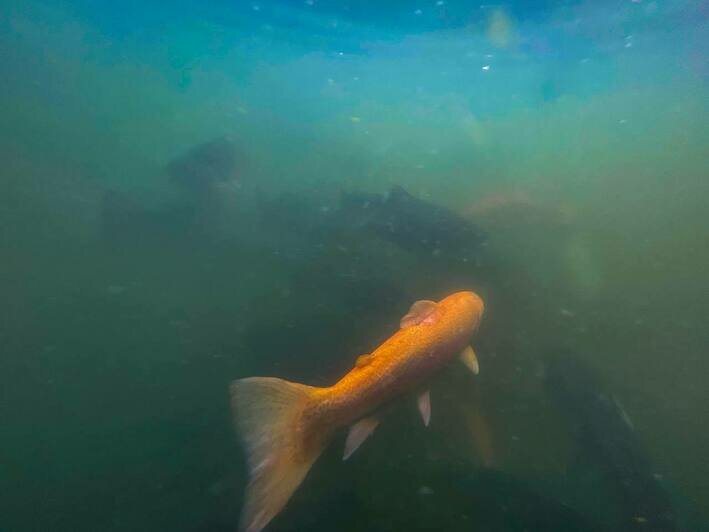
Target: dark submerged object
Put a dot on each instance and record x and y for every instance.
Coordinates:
(608, 440)
(207, 164)
(414, 224)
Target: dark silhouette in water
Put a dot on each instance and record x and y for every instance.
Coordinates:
(200, 174)
(503, 502)
(606, 436)
(205, 165)
(413, 224)
(453, 499)
(304, 226)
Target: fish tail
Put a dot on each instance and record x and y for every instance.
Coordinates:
(280, 446)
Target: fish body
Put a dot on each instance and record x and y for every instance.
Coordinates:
(404, 361)
(415, 225)
(205, 165)
(606, 435)
(285, 426)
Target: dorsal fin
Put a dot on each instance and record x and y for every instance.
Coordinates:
(363, 360)
(418, 312)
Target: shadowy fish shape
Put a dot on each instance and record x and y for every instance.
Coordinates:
(205, 165)
(606, 434)
(414, 225)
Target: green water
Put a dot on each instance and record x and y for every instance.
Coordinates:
(586, 166)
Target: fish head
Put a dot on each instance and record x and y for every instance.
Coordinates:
(466, 308)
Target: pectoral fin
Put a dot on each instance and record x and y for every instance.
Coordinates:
(359, 432)
(469, 359)
(418, 312)
(424, 402)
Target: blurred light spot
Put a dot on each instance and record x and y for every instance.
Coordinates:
(499, 29)
(418, 12)
(486, 68)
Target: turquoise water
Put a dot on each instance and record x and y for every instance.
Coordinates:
(171, 219)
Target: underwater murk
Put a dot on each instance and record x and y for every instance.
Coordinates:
(321, 265)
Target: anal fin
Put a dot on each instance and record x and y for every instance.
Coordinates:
(424, 403)
(358, 433)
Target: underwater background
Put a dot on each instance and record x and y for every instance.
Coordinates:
(172, 218)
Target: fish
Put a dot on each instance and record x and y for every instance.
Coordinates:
(285, 426)
(606, 436)
(413, 224)
(206, 165)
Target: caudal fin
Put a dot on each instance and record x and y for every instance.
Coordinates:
(279, 447)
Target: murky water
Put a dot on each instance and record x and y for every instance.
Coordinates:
(192, 194)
